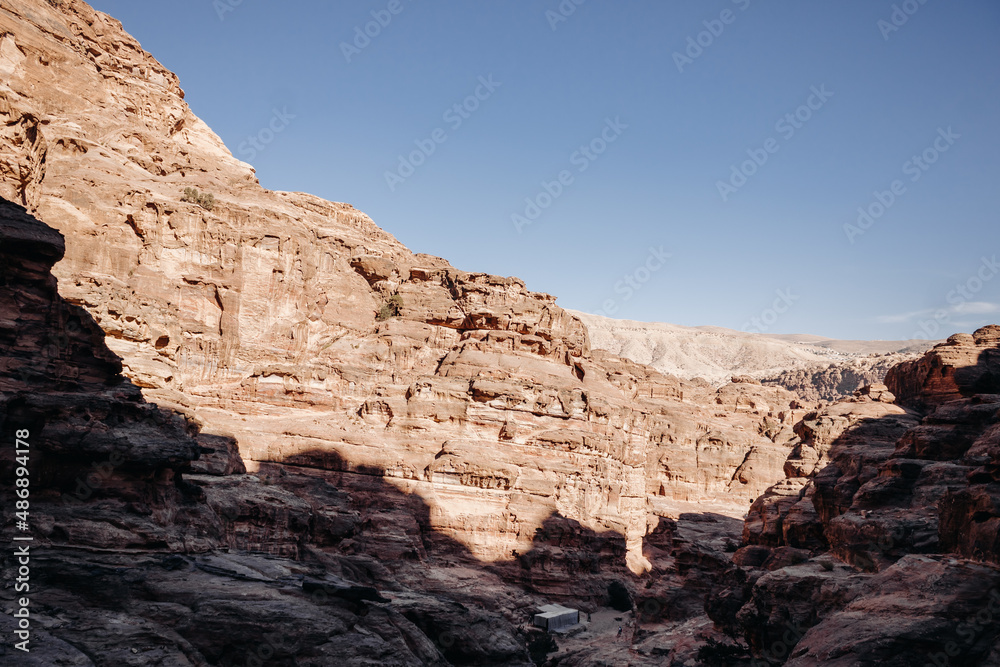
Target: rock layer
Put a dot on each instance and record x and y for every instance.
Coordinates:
(468, 456)
(267, 447)
(152, 547)
(882, 545)
(814, 368)
(835, 381)
(258, 318)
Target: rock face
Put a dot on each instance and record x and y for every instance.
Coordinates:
(882, 545)
(965, 365)
(467, 453)
(814, 368)
(258, 318)
(143, 521)
(264, 430)
(835, 381)
(137, 560)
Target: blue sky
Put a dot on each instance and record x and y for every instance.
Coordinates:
(597, 160)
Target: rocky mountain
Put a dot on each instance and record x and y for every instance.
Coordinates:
(829, 383)
(259, 316)
(882, 545)
(342, 397)
(262, 431)
(151, 546)
(815, 368)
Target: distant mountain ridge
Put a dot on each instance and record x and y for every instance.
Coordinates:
(815, 367)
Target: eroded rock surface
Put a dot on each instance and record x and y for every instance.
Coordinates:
(470, 446)
(833, 382)
(267, 448)
(882, 545)
(813, 367)
(258, 319)
(137, 560)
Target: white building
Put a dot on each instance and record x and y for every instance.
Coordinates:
(556, 617)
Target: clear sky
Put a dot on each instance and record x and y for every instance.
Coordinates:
(682, 161)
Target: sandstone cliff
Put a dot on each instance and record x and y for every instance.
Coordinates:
(258, 318)
(882, 545)
(151, 547)
(304, 443)
(472, 441)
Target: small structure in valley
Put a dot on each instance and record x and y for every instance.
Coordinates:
(555, 617)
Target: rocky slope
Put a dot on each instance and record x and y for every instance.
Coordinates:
(258, 318)
(815, 368)
(238, 459)
(839, 380)
(882, 545)
(151, 544)
(470, 449)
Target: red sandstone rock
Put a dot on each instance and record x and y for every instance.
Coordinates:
(258, 320)
(908, 511)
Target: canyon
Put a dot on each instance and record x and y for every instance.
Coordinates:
(263, 431)
(813, 367)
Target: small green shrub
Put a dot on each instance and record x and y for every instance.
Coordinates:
(391, 308)
(203, 199)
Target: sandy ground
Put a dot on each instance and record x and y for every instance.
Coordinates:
(599, 634)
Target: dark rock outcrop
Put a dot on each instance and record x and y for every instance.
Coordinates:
(836, 381)
(137, 560)
(898, 511)
(967, 364)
